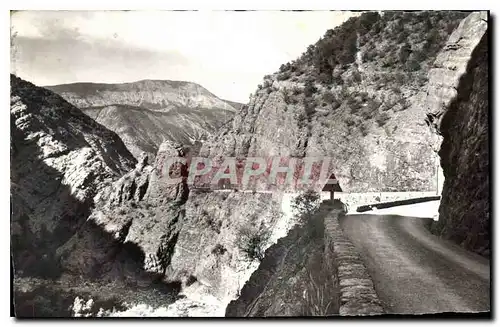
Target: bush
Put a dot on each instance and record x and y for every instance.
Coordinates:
(354, 104)
(369, 55)
(412, 65)
(404, 53)
(363, 129)
(286, 96)
(210, 221)
(369, 110)
(252, 242)
(329, 97)
(382, 119)
(356, 77)
(309, 89)
(283, 76)
(306, 205)
(219, 250)
(349, 121)
(309, 107)
(396, 90)
(404, 103)
(319, 295)
(285, 67)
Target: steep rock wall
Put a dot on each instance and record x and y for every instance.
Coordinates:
(366, 114)
(296, 278)
(464, 213)
(60, 159)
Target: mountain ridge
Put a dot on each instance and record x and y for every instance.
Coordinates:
(147, 112)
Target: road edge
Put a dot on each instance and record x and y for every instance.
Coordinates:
(357, 292)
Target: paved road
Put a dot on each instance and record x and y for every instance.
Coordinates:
(414, 271)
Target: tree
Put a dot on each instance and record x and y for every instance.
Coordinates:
(306, 204)
(252, 241)
(309, 89)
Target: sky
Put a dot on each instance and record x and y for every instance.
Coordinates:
(226, 52)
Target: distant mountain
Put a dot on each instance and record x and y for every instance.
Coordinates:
(147, 112)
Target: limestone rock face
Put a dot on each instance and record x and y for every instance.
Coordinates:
(141, 211)
(156, 93)
(145, 113)
(355, 96)
(60, 159)
(211, 242)
(450, 65)
(464, 212)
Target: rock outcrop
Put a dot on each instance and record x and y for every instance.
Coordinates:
(355, 96)
(60, 159)
(142, 210)
(313, 271)
(450, 65)
(464, 212)
(296, 278)
(215, 239)
(145, 113)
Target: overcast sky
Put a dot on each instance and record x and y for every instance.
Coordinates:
(226, 52)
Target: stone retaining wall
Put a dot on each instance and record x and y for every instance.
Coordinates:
(357, 294)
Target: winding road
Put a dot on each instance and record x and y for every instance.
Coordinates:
(416, 272)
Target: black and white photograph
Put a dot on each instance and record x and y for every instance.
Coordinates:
(327, 164)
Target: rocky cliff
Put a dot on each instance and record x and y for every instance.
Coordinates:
(145, 113)
(462, 123)
(60, 159)
(296, 278)
(81, 211)
(171, 232)
(355, 96)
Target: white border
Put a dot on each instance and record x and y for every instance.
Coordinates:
(190, 5)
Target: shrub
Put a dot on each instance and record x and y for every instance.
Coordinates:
(306, 205)
(369, 110)
(412, 65)
(386, 106)
(283, 76)
(251, 241)
(396, 90)
(319, 295)
(286, 97)
(382, 119)
(399, 78)
(219, 250)
(404, 53)
(329, 97)
(404, 103)
(349, 121)
(356, 77)
(363, 129)
(309, 107)
(211, 222)
(309, 89)
(369, 55)
(354, 104)
(285, 67)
